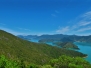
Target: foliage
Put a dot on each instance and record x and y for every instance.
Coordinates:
(62, 62)
(4, 63)
(69, 62)
(17, 49)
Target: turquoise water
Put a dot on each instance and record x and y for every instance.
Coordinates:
(85, 48)
(34, 40)
(50, 43)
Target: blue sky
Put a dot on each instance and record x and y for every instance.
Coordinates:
(46, 17)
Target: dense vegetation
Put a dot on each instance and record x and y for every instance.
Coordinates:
(66, 45)
(17, 49)
(62, 62)
(69, 62)
(46, 40)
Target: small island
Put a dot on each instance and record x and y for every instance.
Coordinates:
(66, 45)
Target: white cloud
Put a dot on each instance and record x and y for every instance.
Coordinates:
(87, 14)
(13, 31)
(9, 30)
(81, 24)
(53, 15)
(84, 29)
(23, 29)
(84, 23)
(63, 30)
(85, 19)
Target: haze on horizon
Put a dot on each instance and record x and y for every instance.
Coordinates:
(37, 17)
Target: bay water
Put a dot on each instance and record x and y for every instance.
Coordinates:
(84, 48)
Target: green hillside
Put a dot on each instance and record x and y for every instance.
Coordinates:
(66, 45)
(17, 49)
(61, 62)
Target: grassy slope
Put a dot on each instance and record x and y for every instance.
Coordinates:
(16, 48)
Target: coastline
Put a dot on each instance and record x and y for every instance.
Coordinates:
(85, 56)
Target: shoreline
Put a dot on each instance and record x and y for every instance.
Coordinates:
(85, 56)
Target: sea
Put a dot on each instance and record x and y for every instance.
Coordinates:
(84, 48)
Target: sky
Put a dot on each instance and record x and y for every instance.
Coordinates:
(37, 17)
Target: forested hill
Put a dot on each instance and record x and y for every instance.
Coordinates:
(17, 49)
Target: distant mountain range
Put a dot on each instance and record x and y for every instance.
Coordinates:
(59, 37)
(28, 37)
(16, 48)
(43, 36)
